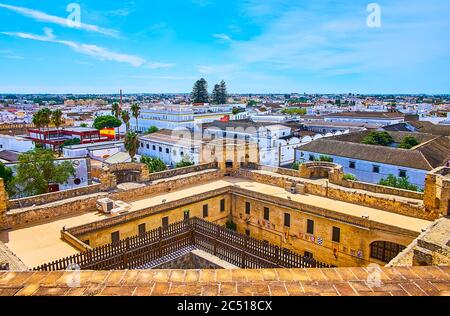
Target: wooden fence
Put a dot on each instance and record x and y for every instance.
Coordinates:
(237, 249)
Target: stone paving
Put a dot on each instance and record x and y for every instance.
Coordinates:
(400, 281)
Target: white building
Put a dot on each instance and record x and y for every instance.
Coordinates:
(371, 163)
(381, 118)
(164, 117)
(15, 143)
(171, 146)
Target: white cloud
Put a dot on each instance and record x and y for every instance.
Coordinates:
(44, 17)
(223, 37)
(90, 50)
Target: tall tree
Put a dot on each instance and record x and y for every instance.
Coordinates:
(216, 95)
(45, 117)
(200, 92)
(107, 121)
(132, 144)
(136, 111)
(36, 170)
(126, 119)
(57, 118)
(223, 93)
(115, 110)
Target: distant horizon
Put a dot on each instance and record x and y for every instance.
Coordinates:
(325, 46)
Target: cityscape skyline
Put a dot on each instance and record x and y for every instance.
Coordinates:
(283, 47)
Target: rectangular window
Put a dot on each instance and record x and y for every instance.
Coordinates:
(402, 174)
(186, 215)
(142, 230)
(376, 169)
(222, 205)
(115, 237)
(352, 165)
(154, 147)
(336, 234)
(165, 221)
(205, 211)
(266, 214)
(287, 220)
(160, 149)
(247, 232)
(310, 227)
(247, 208)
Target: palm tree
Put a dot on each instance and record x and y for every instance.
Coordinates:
(37, 121)
(116, 112)
(126, 119)
(57, 118)
(132, 144)
(115, 109)
(46, 117)
(136, 111)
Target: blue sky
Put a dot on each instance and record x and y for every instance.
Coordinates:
(155, 46)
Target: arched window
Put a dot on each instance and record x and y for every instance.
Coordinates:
(385, 251)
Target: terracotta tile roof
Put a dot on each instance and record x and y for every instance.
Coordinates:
(399, 281)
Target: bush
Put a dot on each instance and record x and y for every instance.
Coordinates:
(325, 159)
(231, 226)
(186, 162)
(154, 164)
(152, 129)
(378, 138)
(399, 183)
(296, 165)
(409, 142)
(350, 177)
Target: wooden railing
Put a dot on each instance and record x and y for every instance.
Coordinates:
(237, 249)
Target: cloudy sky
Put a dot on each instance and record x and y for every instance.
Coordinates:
(257, 46)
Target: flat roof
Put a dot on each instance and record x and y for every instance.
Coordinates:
(49, 246)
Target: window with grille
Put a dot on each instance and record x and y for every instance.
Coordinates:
(247, 208)
(266, 214)
(385, 251)
(310, 227)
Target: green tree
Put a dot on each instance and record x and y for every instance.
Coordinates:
(409, 142)
(215, 96)
(83, 125)
(293, 111)
(296, 165)
(36, 170)
(126, 119)
(131, 144)
(115, 110)
(57, 118)
(45, 116)
(71, 142)
(136, 111)
(6, 174)
(185, 162)
(223, 93)
(107, 121)
(154, 164)
(399, 183)
(200, 92)
(152, 129)
(325, 159)
(378, 138)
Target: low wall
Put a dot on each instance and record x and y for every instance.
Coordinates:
(381, 189)
(344, 195)
(54, 197)
(79, 204)
(180, 171)
(82, 204)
